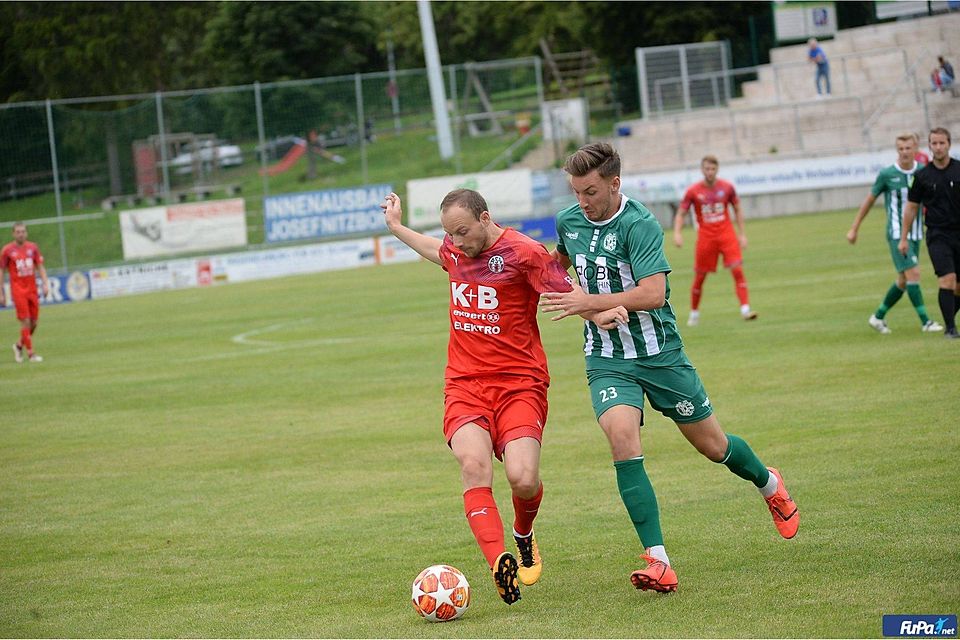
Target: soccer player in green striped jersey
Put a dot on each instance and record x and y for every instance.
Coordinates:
(893, 182)
(616, 247)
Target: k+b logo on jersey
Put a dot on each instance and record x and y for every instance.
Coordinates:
(479, 297)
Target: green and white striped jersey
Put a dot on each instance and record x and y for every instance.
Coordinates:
(611, 257)
(893, 182)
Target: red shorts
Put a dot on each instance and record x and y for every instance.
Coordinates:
(509, 407)
(27, 304)
(708, 250)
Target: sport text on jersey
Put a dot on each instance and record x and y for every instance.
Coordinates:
(590, 272)
(474, 302)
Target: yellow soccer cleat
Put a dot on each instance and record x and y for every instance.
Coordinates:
(531, 565)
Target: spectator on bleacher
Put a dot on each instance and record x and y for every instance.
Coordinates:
(816, 55)
(942, 75)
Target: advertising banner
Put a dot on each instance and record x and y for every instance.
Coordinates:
(142, 278)
(321, 214)
(63, 288)
(183, 228)
(509, 195)
(805, 174)
(274, 263)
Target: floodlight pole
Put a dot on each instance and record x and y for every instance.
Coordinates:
(435, 76)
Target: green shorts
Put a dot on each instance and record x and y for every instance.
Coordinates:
(669, 381)
(903, 262)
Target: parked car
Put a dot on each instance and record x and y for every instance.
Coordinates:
(206, 152)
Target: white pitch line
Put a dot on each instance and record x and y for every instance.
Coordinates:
(244, 338)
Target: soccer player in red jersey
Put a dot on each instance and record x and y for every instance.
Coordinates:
(24, 261)
(495, 392)
(711, 199)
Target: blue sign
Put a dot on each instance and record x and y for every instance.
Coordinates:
(543, 230)
(322, 214)
(63, 288)
(920, 626)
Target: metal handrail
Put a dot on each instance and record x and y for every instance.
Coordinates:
(908, 76)
(508, 152)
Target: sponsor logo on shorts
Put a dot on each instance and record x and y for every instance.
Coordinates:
(685, 408)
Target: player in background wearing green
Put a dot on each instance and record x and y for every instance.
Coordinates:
(616, 246)
(894, 182)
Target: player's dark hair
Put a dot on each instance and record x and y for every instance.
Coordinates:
(941, 131)
(597, 155)
(466, 198)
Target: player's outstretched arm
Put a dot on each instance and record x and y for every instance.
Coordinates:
(650, 293)
(426, 246)
(861, 214)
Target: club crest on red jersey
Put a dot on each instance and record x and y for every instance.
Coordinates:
(495, 264)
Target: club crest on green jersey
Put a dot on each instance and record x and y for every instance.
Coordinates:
(610, 242)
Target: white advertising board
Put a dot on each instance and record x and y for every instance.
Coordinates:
(183, 228)
(509, 194)
(769, 177)
(142, 278)
(274, 263)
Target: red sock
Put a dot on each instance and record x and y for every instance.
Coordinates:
(25, 340)
(484, 520)
(741, 285)
(696, 290)
(525, 510)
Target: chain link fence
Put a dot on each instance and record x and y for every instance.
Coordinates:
(63, 162)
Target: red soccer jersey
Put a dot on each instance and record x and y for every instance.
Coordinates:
(493, 306)
(710, 206)
(21, 261)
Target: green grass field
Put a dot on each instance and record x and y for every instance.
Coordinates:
(266, 460)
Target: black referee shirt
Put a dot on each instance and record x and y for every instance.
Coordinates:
(939, 191)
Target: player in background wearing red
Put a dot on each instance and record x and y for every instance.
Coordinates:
(24, 261)
(496, 379)
(711, 199)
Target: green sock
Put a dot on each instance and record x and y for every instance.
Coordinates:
(894, 293)
(639, 499)
(916, 297)
(744, 462)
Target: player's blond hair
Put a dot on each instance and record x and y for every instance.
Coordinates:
(908, 135)
(712, 159)
(468, 199)
(596, 155)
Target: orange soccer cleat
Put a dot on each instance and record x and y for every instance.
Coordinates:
(505, 577)
(658, 576)
(783, 509)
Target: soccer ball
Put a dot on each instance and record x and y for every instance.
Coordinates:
(440, 593)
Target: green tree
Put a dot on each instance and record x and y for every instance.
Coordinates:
(74, 49)
(268, 41)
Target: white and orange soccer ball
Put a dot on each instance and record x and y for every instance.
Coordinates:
(440, 593)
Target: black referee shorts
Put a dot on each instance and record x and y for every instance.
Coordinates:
(944, 249)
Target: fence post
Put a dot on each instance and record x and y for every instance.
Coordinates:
(362, 125)
(163, 148)
(846, 80)
(538, 71)
(733, 132)
(394, 87)
(684, 78)
(56, 186)
(796, 126)
(455, 113)
(262, 137)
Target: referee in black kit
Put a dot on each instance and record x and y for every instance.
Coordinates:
(937, 187)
